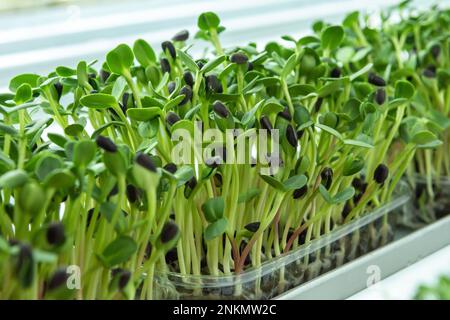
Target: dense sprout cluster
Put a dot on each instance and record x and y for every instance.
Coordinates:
(88, 178)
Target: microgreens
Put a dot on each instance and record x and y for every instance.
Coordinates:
(88, 175)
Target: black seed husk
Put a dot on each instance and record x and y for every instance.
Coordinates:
(58, 279)
(436, 51)
(327, 177)
(357, 183)
(218, 180)
(380, 96)
(104, 75)
(376, 80)
(124, 278)
(114, 191)
(182, 35)
(430, 72)
(171, 167)
(188, 79)
(346, 210)
(381, 173)
(171, 86)
(253, 226)
(132, 193)
(55, 234)
(239, 58)
(221, 109)
(318, 104)
(165, 65)
(24, 267)
(285, 114)
(265, 123)
(301, 192)
(171, 256)
(168, 46)
(213, 83)
(169, 231)
(172, 118)
(335, 72)
(192, 183)
(59, 88)
(291, 136)
(106, 144)
(187, 91)
(145, 161)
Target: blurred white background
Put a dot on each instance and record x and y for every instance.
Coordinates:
(48, 33)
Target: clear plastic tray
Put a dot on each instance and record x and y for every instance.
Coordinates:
(274, 277)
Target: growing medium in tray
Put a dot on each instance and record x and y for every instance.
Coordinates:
(116, 176)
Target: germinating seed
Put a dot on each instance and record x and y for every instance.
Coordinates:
(171, 167)
(169, 231)
(182, 35)
(167, 46)
(106, 144)
(381, 173)
(220, 109)
(145, 161)
(239, 58)
(165, 65)
(172, 118)
(187, 92)
(188, 79)
(376, 80)
(56, 234)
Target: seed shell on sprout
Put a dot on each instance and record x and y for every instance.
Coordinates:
(265, 123)
(171, 86)
(381, 173)
(171, 167)
(285, 114)
(165, 65)
(172, 118)
(188, 79)
(59, 89)
(168, 46)
(104, 75)
(132, 193)
(145, 161)
(430, 72)
(106, 143)
(335, 73)
(376, 80)
(327, 177)
(169, 231)
(221, 109)
(192, 183)
(182, 35)
(58, 279)
(213, 83)
(124, 278)
(239, 58)
(291, 136)
(435, 51)
(187, 91)
(55, 234)
(380, 96)
(301, 192)
(252, 226)
(318, 104)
